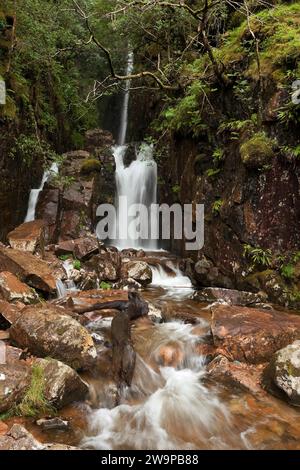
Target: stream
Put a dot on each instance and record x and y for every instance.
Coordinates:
(175, 406)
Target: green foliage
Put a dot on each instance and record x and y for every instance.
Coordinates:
(186, 115)
(258, 256)
(176, 189)
(287, 271)
(62, 181)
(65, 257)
(77, 264)
(289, 114)
(211, 172)
(293, 152)
(34, 403)
(30, 149)
(218, 155)
(105, 285)
(217, 205)
(236, 127)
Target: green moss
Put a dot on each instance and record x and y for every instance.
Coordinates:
(90, 166)
(104, 285)
(9, 110)
(257, 151)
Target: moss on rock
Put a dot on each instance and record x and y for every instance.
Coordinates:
(257, 151)
(90, 166)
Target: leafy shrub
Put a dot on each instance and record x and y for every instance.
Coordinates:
(77, 264)
(258, 256)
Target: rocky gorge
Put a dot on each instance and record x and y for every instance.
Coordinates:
(142, 344)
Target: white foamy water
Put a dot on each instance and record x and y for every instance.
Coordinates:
(175, 283)
(172, 408)
(63, 287)
(124, 113)
(136, 187)
(34, 193)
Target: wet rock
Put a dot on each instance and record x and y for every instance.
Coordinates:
(132, 253)
(11, 289)
(9, 313)
(53, 424)
(139, 271)
(62, 384)
(81, 248)
(50, 332)
(207, 274)
(14, 380)
(230, 296)
(283, 373)
(3, 428)
(18, 438)
(29, 236)
(236, 374)
(28, 268)
(252, 335)
(47, 209)
(106, 265)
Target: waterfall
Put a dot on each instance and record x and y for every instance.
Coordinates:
(68, 285)
(34, 193)
(124, 113)
(137, 185)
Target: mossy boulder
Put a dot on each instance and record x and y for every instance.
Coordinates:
(282, 376)
(89, 166)
(257, 151)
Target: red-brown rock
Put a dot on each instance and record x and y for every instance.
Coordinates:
(27, 268)
(252, 335)
(11, 289)
(29, 236)
(81, 248)
(9, 312)
(236, 374)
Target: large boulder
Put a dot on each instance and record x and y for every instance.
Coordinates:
(47, 209)
(252, 335)
(139, 271)
(282, 376)
(49, 332)
(106, 265)
(62, 384)
(29, 236)
(230, 296)
(11, 289)
(28, 268)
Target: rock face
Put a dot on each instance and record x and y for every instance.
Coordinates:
(230, 296)
(62, 384)
(283, 373)
(29, 236)
(14, 380)
(28, 268)
(252, 335)
(11, 289)
(49, 332)
(139, 271)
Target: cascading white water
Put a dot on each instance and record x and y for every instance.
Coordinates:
(136, 185)
(68, 285)
(175, 409)
(34, 193)
(124, 113)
